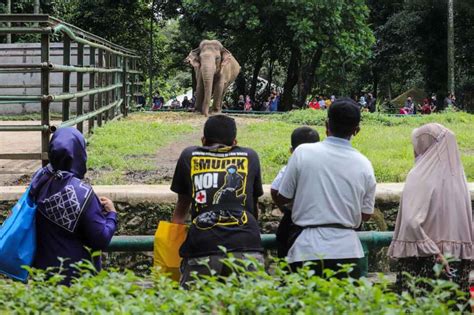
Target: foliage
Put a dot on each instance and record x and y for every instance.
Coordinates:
(241, 293)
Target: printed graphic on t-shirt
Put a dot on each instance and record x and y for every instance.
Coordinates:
(219, 181)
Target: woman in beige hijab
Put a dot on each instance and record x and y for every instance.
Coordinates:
(435, 217)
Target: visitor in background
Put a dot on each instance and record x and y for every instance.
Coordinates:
(186, 103)
(275, 101)
(314, 104)
(435, 216)
(71, 221)
(221, 182)
(327, 102)
(331, 199)
(434, 101)
(175, 104)
(371, 105)
(266, 104)
(157, 102)
(322, 103)
(408, 107)
(333, 98)
(362, 102)
(299, 136)
(248, 104)
(426, 108)
(241, 102)
(193, 101)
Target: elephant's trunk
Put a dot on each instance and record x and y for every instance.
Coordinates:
(208, 70)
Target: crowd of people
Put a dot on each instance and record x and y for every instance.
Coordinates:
(218, 184)
(429, 105)
(158, 102)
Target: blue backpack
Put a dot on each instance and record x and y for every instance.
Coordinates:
(18, 239)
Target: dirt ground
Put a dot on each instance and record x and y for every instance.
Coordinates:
(15, 172)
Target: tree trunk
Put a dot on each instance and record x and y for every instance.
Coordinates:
(451, 84)
(308, 76)
(9, 11)
(256, 71)
(270, 78)
(286, 101)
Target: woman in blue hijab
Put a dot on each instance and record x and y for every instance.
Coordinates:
(71, 221)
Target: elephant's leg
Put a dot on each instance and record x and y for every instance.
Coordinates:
(199, 91)
(218, 95)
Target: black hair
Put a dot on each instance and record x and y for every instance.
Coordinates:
(220, 129)
(303, 135)
(343, 117)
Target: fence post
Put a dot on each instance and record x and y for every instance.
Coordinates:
(100, 76)
(45, 100)
(80, 83)
(107, 82)
(132, 81)
(66, 74)
(91, 86)
(124, 87)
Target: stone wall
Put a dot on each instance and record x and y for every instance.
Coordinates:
(143, 218)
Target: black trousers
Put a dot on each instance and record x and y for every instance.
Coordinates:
(333, 264)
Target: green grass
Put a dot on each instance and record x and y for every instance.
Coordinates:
(130, 145)
(385, 140)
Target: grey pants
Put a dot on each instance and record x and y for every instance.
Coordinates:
(204, 265)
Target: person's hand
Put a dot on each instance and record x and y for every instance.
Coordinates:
(107, 204)
(443, 261)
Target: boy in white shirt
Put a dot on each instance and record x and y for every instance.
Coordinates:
(298, 136)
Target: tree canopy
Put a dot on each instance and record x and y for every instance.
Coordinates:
(305, 47)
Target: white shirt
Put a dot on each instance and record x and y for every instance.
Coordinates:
(330, 182)
(277, 181)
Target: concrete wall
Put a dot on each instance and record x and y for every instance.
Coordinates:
(30, 83)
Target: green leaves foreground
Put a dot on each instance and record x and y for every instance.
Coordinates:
(248, 293)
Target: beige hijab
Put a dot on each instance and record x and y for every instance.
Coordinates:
(435, 213)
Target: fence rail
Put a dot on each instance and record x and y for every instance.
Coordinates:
(144, 243)
(114, 77)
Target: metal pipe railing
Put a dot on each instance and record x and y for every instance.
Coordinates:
(144, 243)
(110, 67)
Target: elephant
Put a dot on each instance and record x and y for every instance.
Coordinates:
(215, 69)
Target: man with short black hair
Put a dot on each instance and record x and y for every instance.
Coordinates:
(221, 182)
(330, 199)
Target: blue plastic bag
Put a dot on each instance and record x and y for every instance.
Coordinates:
(18, 239)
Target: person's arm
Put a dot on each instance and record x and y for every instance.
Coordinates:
(181, 185)
(96, 226)
(181, 209)
(368, 202)
(288, 184)
(257, 185)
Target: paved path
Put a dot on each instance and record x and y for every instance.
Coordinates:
(18, 172)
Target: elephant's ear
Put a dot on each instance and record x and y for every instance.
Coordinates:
(193, 58)
(226, 56)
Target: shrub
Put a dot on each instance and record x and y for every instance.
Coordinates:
(247, 293)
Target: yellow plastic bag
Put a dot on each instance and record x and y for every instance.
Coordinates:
(168, 239)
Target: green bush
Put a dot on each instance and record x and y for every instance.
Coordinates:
(257, 292)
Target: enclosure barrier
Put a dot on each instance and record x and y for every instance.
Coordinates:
(112, 69)
(144, 243)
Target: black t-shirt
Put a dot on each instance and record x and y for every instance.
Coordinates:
(224, 183)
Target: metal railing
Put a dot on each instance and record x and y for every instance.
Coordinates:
(144, 243)
(112, 70)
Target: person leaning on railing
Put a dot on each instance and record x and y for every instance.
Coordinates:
(332, 187)
(71, 221)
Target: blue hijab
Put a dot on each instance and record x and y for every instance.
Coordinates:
(57, 188)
